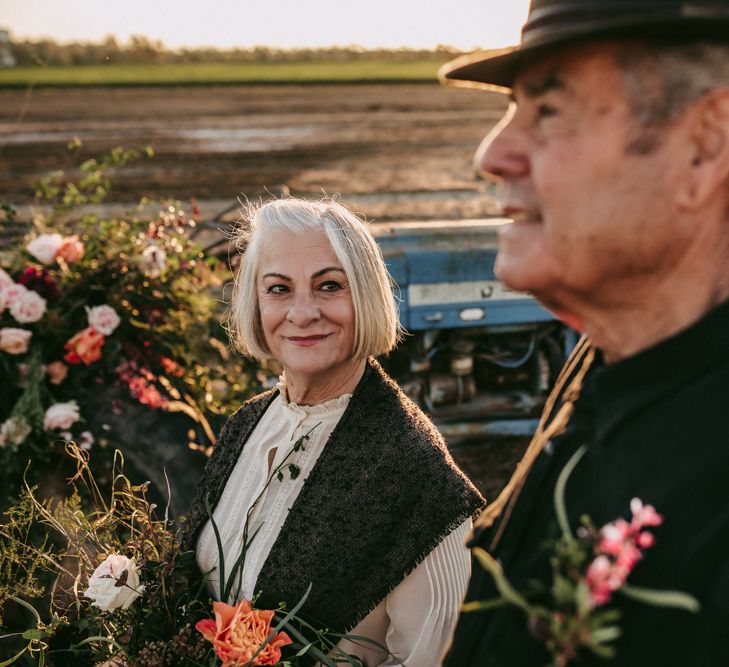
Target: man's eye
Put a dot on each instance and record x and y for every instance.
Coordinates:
(545, 111)
(330, 286)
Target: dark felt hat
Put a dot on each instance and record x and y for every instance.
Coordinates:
(552, 24)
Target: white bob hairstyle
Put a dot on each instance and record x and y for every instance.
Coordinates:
(376, 326)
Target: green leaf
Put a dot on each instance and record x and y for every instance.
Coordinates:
(294, 470)
(606, 634)
(658, 598)
(483, 605)
(559, 490)
(304, 650)
(13, 659)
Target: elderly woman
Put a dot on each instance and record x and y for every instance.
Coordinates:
(334, 477)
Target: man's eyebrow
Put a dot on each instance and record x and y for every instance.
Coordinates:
(537, 87)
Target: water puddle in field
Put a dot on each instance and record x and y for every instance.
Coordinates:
(204, 139)
(235, 140)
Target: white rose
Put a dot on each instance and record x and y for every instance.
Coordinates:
(153, 261)
(103, 319)
(45, 247)
(28, 307)
(61, 415)
(14, 341)
(14, 431)
(12, 293)
(5, 279)
(114, 584)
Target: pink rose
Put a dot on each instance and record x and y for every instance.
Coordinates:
(45, 247)
(28, 307)
(86, 440)
(84, 347)
(71, 249)
(5, 280)
(14, 341)
(61, 416)
(103, 318)
(12, 293)
(57, 372)
(237, 633)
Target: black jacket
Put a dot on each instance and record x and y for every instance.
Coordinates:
(657, 428)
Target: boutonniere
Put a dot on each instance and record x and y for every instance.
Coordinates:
(589, 567)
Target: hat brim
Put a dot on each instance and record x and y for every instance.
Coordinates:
(496, 69)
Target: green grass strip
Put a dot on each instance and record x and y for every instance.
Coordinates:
(172, 74)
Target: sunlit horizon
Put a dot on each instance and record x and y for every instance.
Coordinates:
(285, 24)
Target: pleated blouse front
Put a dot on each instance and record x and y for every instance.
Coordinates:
(414, 621)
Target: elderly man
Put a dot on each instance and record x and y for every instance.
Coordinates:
(613, 534)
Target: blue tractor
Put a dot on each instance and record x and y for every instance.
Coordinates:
(478, 357)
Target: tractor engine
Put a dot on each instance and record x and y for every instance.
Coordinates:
(478, 357)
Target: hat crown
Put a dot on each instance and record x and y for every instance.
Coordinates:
(547, 17)
(560, 23)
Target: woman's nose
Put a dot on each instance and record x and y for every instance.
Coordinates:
(501, 154)
(303, 310)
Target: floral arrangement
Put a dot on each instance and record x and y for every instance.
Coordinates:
(588, 569)
(91, 302)
(122, 591)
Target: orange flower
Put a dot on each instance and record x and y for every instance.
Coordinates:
(84, 347)
(237, 632)
(71, 249)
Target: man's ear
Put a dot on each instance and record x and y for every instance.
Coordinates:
(708, 169)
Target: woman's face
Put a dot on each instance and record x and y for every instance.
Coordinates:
(306, 307)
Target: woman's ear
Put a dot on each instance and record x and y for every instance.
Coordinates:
(707, 173)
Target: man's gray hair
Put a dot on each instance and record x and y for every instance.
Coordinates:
(377, 329)
(664, 77)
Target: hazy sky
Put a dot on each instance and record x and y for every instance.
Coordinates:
(283, 23)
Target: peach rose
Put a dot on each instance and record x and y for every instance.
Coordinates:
(237, 633)
(71, 249)
(103, 318)
(84, 347)
(14, 341)
(57, 372)
(45, 247)
(28, 307)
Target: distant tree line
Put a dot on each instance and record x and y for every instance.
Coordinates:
(140, 49)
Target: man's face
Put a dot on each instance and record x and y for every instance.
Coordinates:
(593, 209)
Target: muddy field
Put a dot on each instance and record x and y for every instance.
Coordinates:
(395, 151)
(391, 151)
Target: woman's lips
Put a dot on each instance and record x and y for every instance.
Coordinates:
(305, 341)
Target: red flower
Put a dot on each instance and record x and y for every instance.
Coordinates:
(84, 347)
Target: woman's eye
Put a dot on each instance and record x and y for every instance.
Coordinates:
(276, 289)
(330, 286)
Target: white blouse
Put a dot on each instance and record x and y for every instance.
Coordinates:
(416, 618)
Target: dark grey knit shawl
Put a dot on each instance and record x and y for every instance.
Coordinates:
(383, 493)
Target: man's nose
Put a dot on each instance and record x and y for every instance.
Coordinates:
(304, 310)
(501, 153)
